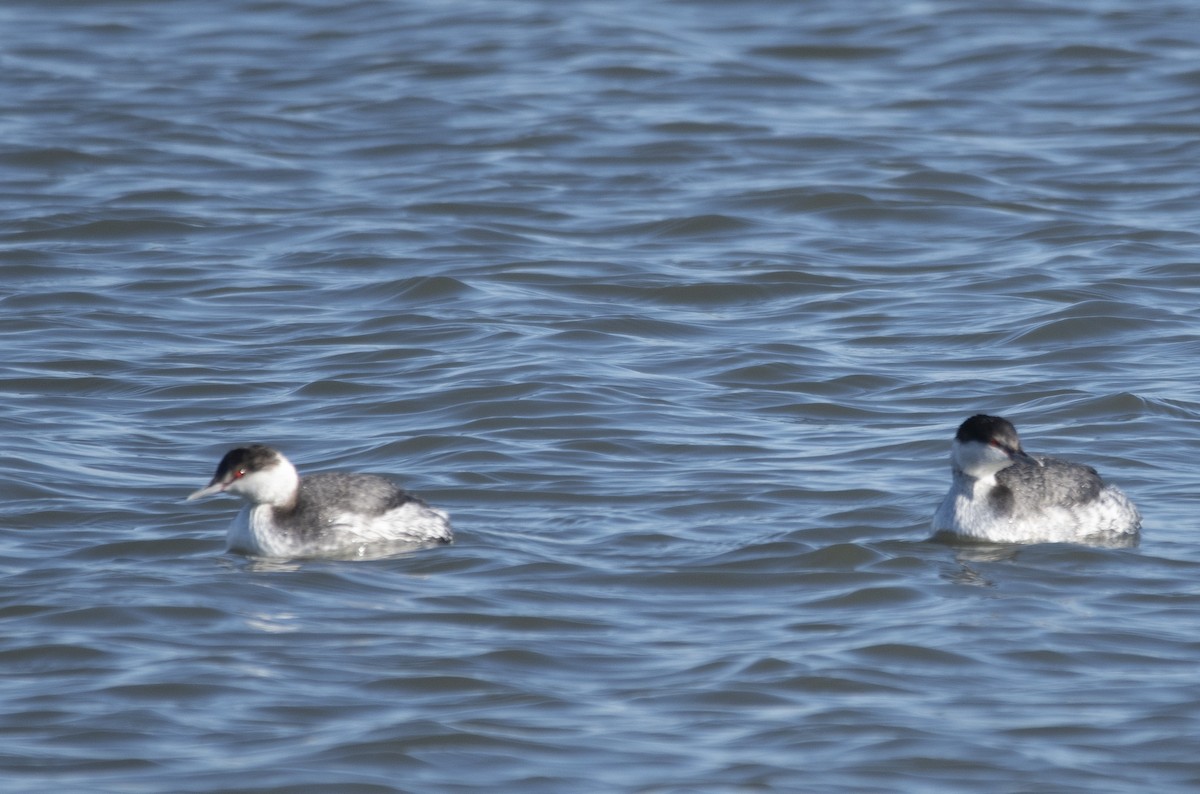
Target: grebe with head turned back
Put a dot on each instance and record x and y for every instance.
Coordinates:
(999, 494)
(329, 514)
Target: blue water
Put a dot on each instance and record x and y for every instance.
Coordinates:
(675, 308)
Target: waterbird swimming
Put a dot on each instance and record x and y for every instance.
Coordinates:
(320, 515)
(1000, 494)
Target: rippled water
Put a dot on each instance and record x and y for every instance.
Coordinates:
(675, 308)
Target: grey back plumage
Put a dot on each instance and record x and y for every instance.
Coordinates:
(369, 494)
(326, 500)
(1053, 482)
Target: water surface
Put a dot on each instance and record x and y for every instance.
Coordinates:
(675, 309)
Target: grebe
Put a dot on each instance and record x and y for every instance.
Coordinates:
(320, 515)
(999, 494)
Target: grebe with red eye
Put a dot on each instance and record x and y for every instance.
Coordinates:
(321, 515)
(999, 494)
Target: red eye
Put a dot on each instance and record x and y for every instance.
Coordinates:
(237, 475)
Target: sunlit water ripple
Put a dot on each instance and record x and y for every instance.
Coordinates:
(675, 309)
